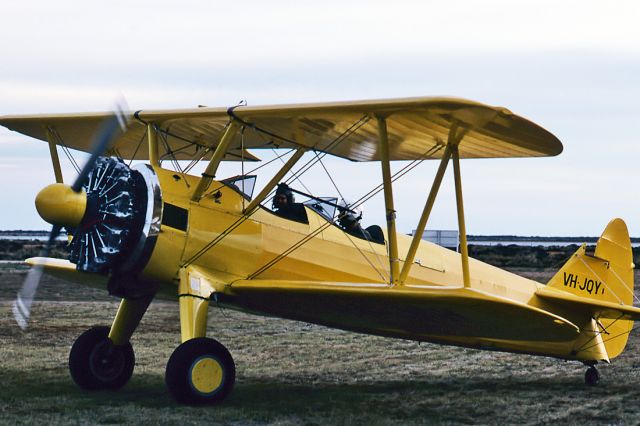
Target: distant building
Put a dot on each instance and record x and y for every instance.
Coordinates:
(445, 238)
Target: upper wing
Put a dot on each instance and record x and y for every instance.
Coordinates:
(416, 127)
(76, 131)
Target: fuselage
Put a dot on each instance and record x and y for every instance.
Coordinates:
(342, 281)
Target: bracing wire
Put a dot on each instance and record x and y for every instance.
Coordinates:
(225, 232)
(254, 170)
(359, 123)
(242, 162)
(302, 170)
(172, 158)
(65, 148)
(333, 144)
(330, 177)
(406, 169)
(583, 348)
(138, 146)
(196, 160)
(297, 178)
(72, 160)
(364, 255)
(357, 203)
(598, 333)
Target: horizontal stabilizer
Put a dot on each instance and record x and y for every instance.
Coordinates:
(597, 308)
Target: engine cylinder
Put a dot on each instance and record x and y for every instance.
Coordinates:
(121, 219)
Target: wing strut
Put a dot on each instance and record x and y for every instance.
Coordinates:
(461, 226)
(217, 157)
(152, 137)
(383, 144)
(451, 152)
(426, 212)
(53, 150)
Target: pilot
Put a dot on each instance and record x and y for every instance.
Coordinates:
(284, 205)
(350, 223)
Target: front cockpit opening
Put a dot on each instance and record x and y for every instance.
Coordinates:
(243, 184)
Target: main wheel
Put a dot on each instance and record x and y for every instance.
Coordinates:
(200, 371)
(592, 377)
(96, 363)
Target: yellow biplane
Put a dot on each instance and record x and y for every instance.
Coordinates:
(149, 231)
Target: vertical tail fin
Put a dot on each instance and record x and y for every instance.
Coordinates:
(607, 275)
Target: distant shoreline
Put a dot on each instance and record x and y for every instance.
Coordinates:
(23, 232)
(470, 238)
(520, 254)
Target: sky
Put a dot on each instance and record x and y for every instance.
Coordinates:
(570, 66)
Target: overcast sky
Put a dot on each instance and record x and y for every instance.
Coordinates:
(570, 66)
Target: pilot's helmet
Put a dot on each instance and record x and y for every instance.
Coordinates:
(348, 215)
(283, 189)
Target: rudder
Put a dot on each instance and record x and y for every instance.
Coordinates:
(607, 275)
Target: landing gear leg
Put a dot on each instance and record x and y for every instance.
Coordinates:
(591, 376)
(200, 370)
(127, 319)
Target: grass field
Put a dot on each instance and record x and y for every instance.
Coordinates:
(294, 373)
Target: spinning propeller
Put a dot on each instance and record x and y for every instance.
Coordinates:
(63, 205)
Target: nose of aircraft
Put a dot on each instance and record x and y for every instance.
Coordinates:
(58, 204)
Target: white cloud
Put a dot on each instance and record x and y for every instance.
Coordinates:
(199, 33)
(572, 66)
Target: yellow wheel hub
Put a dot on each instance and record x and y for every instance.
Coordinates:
(206, 375)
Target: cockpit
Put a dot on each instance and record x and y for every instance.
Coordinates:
(283, 204)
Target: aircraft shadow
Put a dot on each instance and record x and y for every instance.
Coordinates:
(258, 394)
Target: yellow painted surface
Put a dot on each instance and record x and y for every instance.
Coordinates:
(206, 375)
(59, 204)
(390, 211)
(414, 126)
(218, 155)
(152, 140)
(342, 281)
(55, 160)
(426, 212)
(63, 269)
(127, 319)
(193, 306)
(315, 272)
(606, 280)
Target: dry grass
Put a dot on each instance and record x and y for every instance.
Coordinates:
(293, 373)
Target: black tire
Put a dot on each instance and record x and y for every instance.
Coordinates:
(592, 377)
(209, 363)
(95, 363)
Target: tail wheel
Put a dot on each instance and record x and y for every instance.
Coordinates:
(200, 371)
(592, 377)
(96, 363)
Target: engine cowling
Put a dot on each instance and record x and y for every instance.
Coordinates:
(121, 220)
